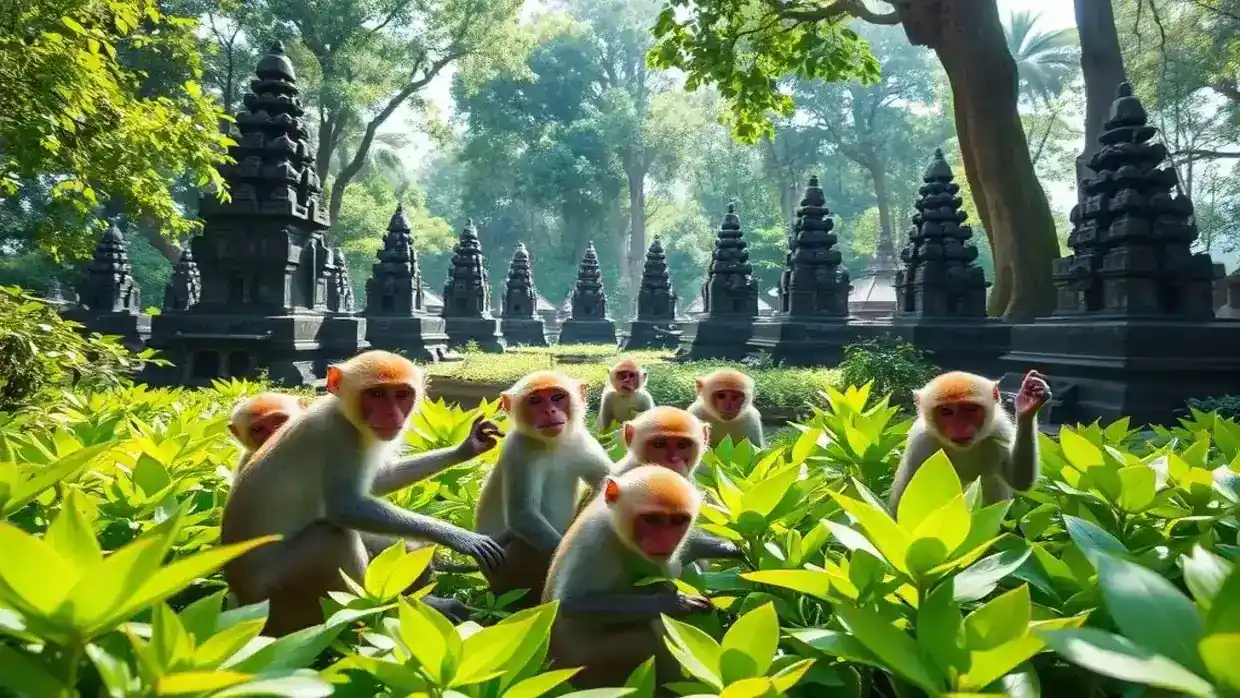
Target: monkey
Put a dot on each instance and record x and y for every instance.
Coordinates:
(674, 439)
(725, 401)
(960, 413)
(256, 418)
(625, 396)
(529, 497)
(636, 527)
(315, 484)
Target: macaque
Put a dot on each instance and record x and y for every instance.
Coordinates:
(637, 527)
(529, 497)
(625, 396)
(316, 485)
(258, 417)
(960, 414)
(725, 401)
(673, 438)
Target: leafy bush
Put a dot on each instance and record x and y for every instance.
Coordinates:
(1117, 573)
(40, 351)
(896, 368)
(1225, 406)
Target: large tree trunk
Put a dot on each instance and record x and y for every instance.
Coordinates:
(968, 38)
(637, 228)
(882, 196)
(1102, 66)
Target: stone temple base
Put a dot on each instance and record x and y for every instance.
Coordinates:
(1110, 367)
(204, 346)
(343, 335)
(419, 338)
(527, 332)
(964, 344)
(719, 337)
(802, 342)
(134, 329)
(652, 334)
(482, 331)
(587, 332)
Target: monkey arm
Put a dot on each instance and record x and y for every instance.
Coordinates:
(753, 427)
(594, 464)
(522, 496)
(644, 400)
(1021, 471)
(703, 546)
(604, 413)
(406, 471)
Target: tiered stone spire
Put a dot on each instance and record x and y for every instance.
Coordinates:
(588, 323)
(520, 322)
(1131, 234)
(940, 278)
(729, 288)
(109, 286)
(656, 300)
(340, 293)
(467, 293)
(395, 284)
(813, 285)
(185, 286)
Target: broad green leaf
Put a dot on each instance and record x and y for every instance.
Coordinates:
(1136, 488)
(1224, 616)
(893, 646)
(184, 682)
(643, 679)
(836, 644)
(223, 645)
(990, 665)
(1080, 452)
(424, 634)
(811, 582)
(601, 693)
(71, 534)
(299, 649)
(201, 616)
(976, 582)
(36, 576)
(940, 630)
(1003, 619)
(784, 679)
(697, 652)
(536, 686)
(851, 538)
(402, 571)
(379, 569)
(763, 498)
(1204, 574)
(1150, 611)
(933, 485)
(985, 526)
(754, 637)
(298, 684)
(938, 534)
(26, 676)
(886, 535)
(63, 469)
(748, 688)
(169, 641)
(1120, 658)
(484, 653)
(1221, 654)
(1091, 539)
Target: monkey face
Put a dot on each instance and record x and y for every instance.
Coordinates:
(386, 408)
(960, 422)
(548, 411)
(679, 454)
(626, 381)
(728, 403)
(658, 533)
(262, 428)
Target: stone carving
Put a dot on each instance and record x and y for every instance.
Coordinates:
(185, 286)
(813, 285)
(340, 291)
(730, 288)
(397, 316)
(520, 322)
(467, 296)
(588, 323)
(110, 301)
(656, 305)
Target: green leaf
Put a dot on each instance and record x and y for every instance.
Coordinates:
(759, 687)
(484, 654)
(943, 531)
(26, 676)
(940, 630)
(1150, 611)
(183, 682)
(398, 571)
(601, 693)
(201, 616)
(298, 684)
(1080, 452)
(223, 645)
(1003, 619)
(1224, 616)
(890, 539)
(933, 485)
(1136, 488)
(749, 645)
(784, 679)
(425, 634)
(1220, 653)
(976, 582)
(299, 649)
(892, 645)
(1091, 539)
(1204, 574)
(643, 679)
(536, 686)
(763, 498)
(71, 534)
(1120, 658)
(990, 665)
(32, 573)
(836, 644)
(697, 652)
(812, 582)
(60, 471)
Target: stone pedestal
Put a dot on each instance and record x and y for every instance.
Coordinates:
(724, 323)
(520, 322)
(483, 332)
(110, 301)
(792, 341)
(653, 334)
(210, 346)
(589, 323)
(133, 328)
(655, 326)
(718, 336)
(574, 331)
(528, 332)
(397, 316)
(976, 345)
(467, 297)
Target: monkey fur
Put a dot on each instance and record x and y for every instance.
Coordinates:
(725, 402)
(625, 396)
(257, 418)
(637, 527)
(315, 484)
(960, 414)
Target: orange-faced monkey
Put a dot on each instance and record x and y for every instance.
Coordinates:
(636, 528)
(625, 396)
(316, 484)
(960, 414)
(257, 418)
(673, 438)
(529, 497)
(725, 401)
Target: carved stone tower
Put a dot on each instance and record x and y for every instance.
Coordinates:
(520, 321)
(589, 323)
(396, 314)
(184, 288)
(655, 325)
(467, 297)
(110, 301)
(729, 298)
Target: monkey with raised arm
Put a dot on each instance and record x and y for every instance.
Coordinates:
(625, 396)
(960, 414)
(636, 528)
(257, 418)
(725, 402)
(315, 484)
(529, 497)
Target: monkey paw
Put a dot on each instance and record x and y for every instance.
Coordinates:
(682, 604)
(488, 553)
(483, 436)
(451, 609)
(1034, 393)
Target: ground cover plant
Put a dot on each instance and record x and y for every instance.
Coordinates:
(1115, 577)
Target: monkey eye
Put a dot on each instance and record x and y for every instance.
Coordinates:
(375, 393)
(558, 397)
(684, 444)
(659, 443)
(404, 394)
(534, 400)
(654, 519)
(678, 519)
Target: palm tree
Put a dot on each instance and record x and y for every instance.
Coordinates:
(1045, 61)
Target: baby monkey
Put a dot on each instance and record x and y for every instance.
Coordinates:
(960, 414)
(637, 527)
(725, 401)
(258, 417)
(625, 396)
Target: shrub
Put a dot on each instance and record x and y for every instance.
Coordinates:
(1225, 406)
(895, 368)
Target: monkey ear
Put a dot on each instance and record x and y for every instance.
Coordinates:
(611, 490)
(916, 398)
(233, 428)
(505, 402)
(700, 384)
(334, 375)
(629, 432)
(584, 391)
(706, 432)
(996, 387)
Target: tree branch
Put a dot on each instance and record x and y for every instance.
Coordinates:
(1202, 154)
(833, 11)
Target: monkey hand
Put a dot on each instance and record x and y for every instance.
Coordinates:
(483, 436)
(1034, 393)
(488, 553)
(680, 604)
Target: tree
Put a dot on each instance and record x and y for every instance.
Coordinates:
(74, 115)
(1103, 69)
(1046, 61)
(745, 46)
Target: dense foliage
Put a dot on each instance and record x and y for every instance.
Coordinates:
(1119, 567)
